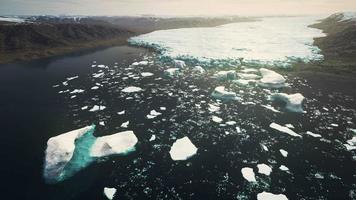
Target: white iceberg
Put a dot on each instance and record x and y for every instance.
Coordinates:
(179, 64)
(284, 129)
(146, 74)
(284, 168)
(131, 89)
(125, 124)
(283, 152)
(109, 192)
(248, 174)
(216, 119)
(264, 169)
(97, 108)
(94, 87)
(171, 72)
(117, 144)
(221, 93)
(59, 152)
(199, 69)
(271, 196)
(271, 79)
(226, 75)
(182, 149)
(77, 91)
(293, 101)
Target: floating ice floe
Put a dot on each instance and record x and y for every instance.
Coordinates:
(117, 144)
(269, 107)
(68, 153)
(248, 76)
(284, 168)
(213, 108)
(102, 123)
(226, 75)
(249, 70)
(179, 64)
(72, 78)
(313, 134)
(221, 93)
(283, 152)
(77, 91)
(271, 79)
(199, 69)
(98, 75)
(59, 152)
(264, 169)
(146, 74)
(216, 119)
(125, 124)
(243, 82)
(271, 196)
(248, 174)
(144, 62)
(94, 87)
(131, 89)
(293, 101)
(182, 149)
(230, 123)
(84, 107)
(153, 137)
(351, 144)
(109, 192)
(171, 72)
(284, 129)
(289, 125)
(97, 108)
(121, 112)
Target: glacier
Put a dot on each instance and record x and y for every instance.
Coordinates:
(253, 43)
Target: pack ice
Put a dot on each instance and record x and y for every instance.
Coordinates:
(293, 101)
(182, 149)
(68, 153)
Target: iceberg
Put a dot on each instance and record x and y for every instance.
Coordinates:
(271, 79)
(182, 149)
(125, 124)
(59, 152)
(68, 153)
(271, 196)
(283, 152)
(226, 75)
(179, 64)
(284, 168)
(171, 72)
(97, 108)
(264, 169)
(284, 129)
(221, 93)
(293, 101)
(109, 192)
(199, 69)
(131, 89)
(94, 87)
(77, 91)
(117, 144)
(248, 174)
(146, 74)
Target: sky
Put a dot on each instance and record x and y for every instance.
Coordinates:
(174, 7)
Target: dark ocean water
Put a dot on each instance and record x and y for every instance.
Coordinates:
(32, 111)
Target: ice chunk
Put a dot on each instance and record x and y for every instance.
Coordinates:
(248, 174)
(264, 169)
(248, 76)
(216, 119)
(213, 108)
(59, 152)
(269, 107)
(117, 144)
(97, 108)
(271, 196)
(283, 152)
(199, 69)
(109, 192)
(352, 141)
(284, 168)
(221, 93)
(171, 72)
(313, 134)
(72, 78)
(102, 123)
(162, 108)
(293, 101)
(271, 79)
(179, 64)
(249, 70)
(94, 87)
(155, 113)
(84, 107)
(230, 123)
(125, 124)
(226, 75)
(289, 125)
(153, 137)
(284, 129)
(243, 82)
(146, 74)
(182, 149)
(131, 89)
(144, 62)
(77, 91)
(121, 112)
(98, 75)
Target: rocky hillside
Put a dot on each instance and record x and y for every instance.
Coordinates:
(340, 42)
